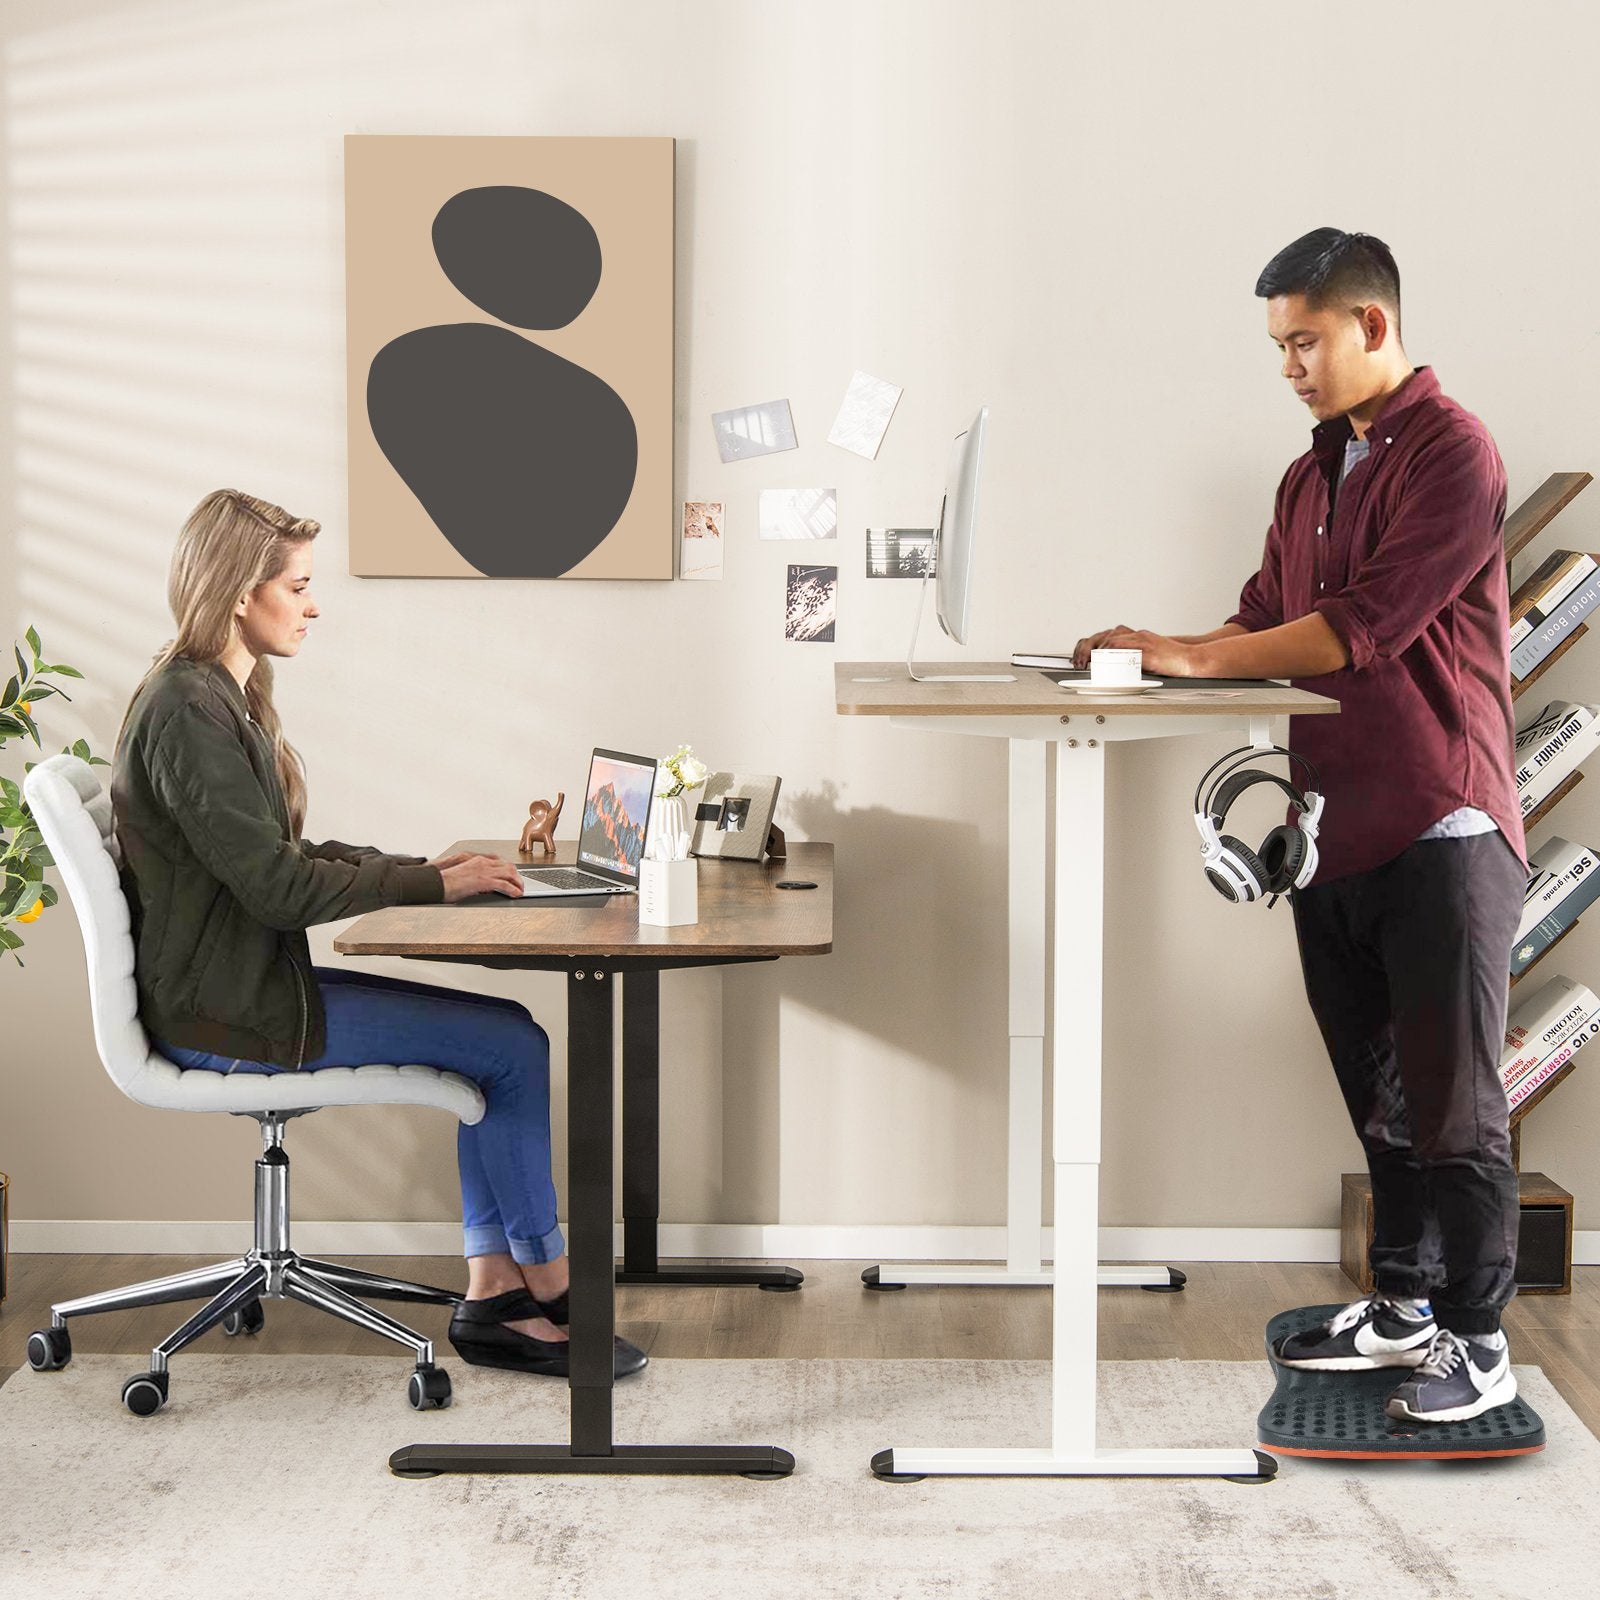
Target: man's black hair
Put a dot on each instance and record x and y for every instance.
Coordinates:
(1333, 268)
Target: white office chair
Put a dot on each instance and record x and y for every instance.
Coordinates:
(74, 816)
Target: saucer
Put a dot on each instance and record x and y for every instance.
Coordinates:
(1083, 686)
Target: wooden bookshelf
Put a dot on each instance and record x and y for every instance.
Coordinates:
(1541, 508)
(1553, 799)
(1555, 1273)
(1518, 685)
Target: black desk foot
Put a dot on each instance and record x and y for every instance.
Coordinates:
(776, 1278)
(1176, 1281)
(429, 1460)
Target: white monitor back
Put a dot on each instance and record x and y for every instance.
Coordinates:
(957, 525)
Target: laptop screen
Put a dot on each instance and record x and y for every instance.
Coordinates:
(615, 812)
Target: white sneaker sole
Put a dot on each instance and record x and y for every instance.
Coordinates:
(1413, 1357)
(1502, 1394)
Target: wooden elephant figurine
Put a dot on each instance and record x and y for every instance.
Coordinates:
(541, 826)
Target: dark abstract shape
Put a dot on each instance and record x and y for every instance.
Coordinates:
(520, 254)
(523, 460)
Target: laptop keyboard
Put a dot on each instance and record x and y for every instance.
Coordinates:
(567, 878)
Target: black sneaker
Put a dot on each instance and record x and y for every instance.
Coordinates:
(1459, 1378)
(1375, 1332)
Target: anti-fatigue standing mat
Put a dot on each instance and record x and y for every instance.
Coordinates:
(1342, 1413)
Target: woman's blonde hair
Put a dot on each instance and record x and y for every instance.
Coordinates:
(231, 544)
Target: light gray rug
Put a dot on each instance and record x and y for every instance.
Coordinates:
(267, 1476)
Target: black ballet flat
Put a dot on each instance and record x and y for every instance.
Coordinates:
(480, 1337)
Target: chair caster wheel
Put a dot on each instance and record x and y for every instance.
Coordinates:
(247, 1319)
(870, 1279)
(49, 1349)
(428, 1389)
(145, 1394)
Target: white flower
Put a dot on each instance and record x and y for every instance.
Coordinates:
(678, 772)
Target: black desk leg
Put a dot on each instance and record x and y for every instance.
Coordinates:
(641, 1152)
(590, 1120)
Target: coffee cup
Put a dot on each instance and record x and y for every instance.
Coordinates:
(1116, 666)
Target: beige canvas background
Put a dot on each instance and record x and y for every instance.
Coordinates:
(394, 187)
(1057, 210)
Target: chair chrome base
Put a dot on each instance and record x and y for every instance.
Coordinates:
(270, 1271)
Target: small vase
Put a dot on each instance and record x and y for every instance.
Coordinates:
(669, 816)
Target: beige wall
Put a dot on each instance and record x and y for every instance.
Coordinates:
(1057, 210)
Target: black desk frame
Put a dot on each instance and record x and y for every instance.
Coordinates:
(591, 1121)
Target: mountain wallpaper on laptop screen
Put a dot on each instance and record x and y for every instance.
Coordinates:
(614, 824)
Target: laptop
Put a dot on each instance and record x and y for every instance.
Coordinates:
(616, 811)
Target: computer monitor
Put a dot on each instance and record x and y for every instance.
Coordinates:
(952, 553)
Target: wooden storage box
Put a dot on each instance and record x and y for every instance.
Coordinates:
(1544, 1239)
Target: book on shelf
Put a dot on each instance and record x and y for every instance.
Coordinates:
(1544, 590)
(1550, 746)
(1541, 640)
(1539, 1025)
(1552, 1063)
(1556, 867)
(1532, 944)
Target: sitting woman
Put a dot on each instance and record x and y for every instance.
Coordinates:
(209, 801)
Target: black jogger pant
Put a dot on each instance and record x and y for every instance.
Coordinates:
(1406, 968)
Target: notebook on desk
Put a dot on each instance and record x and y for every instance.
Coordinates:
(616, 812)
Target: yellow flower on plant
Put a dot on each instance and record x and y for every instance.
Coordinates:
(32, 913)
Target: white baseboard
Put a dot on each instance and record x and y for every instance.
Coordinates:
(782, 1241)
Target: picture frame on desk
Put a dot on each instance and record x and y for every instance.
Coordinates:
(734, 819)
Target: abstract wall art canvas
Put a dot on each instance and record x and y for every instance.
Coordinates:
(509, 343)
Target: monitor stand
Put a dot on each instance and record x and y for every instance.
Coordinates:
(944, 677)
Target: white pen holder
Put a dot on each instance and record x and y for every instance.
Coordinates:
(669, 892)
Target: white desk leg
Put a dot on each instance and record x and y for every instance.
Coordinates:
(1079, 999)
(1025, 1128)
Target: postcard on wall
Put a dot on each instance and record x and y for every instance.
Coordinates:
(799, 513)
(700, 546)
(899, 552)
(811, 602)
(509, 317)
(864, 415)
(754, 430)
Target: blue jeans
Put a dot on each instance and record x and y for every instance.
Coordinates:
(508, 1199)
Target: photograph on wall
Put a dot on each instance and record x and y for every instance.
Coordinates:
(799, 513)
(811, 602)
(700, 544)
(900, 552)
(864, 415)
(754, 430)
(509, 316)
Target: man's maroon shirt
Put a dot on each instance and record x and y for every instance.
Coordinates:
(1406, 561)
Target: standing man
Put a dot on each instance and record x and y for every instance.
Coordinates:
(1383, 585)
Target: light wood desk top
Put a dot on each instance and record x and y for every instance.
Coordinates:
(1036, 693)
(742, 913)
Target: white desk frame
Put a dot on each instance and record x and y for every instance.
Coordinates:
(1079, 740)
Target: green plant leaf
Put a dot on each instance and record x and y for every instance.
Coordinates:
(32, 637)
(65, 671)
(79, 748)
(22, 666)
(9, 940)
(28, 723)
(48, 894)
(13, 687)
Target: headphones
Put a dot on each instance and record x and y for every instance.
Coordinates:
(1287, 859)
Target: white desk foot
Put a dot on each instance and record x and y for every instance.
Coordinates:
(1245, 1466)
(1160, 1280)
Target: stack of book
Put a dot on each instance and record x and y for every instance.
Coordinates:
(1544, 1033)
(1552, 602)
(1551, 746)
(1564, 882)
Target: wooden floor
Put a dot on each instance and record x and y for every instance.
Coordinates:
(1219, 1316)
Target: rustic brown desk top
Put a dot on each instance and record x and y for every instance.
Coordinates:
(1034, 694)
(742, 913)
